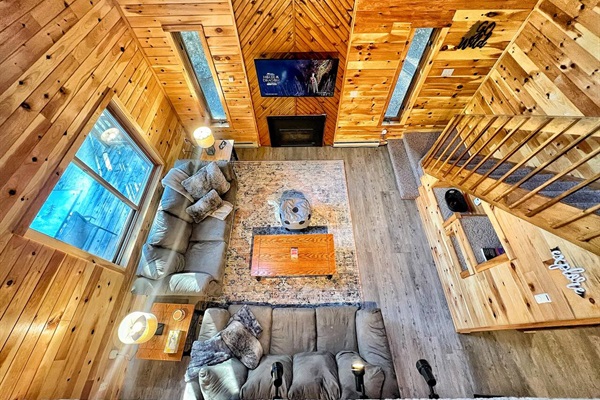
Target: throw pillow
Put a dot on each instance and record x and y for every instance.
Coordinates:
(156, 262)
(207, 178)
(205, 205)
(242, 344)
(247, 318)
(373, 378)
(222, 381)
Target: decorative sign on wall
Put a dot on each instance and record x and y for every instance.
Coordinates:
(573, 275)
(477, 36)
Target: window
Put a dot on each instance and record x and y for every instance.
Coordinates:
(95, 202)
(194, 51)
(420, 43)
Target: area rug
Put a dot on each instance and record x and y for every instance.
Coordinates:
(260, 185)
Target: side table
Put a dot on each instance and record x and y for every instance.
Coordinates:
(227, 153)
(154, 348)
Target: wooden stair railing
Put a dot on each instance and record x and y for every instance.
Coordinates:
(542, 169)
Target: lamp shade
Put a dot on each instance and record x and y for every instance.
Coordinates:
(204, 137)
(137, 327)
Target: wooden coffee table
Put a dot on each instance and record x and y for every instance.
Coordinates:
(272, 255)
(154, 348)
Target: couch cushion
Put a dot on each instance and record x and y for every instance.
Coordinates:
(259, 385)
(170, 232)
(242, 343)
(190, 167)
(207, 257)
(223, 381)
(373, 378)
(190, 284)
(293, 331)
(175, 204)
(336, 329)
(157, 263)
(211, 229)
(314, 377)
(374, 348)
(205, 205)
(263, 315)
(214, 321)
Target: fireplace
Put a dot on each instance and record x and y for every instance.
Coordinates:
(296, 130)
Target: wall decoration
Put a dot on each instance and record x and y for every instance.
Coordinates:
(574, 275)
(477, 36)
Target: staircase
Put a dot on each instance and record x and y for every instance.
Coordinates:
(542, 169)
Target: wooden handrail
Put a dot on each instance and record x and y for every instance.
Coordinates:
(473, 147)
(488, 141)
(466, 150)
(525, 160)
(513, 151)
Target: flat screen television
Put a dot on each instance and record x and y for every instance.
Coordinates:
(296, 78)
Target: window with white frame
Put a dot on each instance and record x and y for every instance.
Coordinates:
(96, 200)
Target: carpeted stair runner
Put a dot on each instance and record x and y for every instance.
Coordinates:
(406, 155)
(583, 198)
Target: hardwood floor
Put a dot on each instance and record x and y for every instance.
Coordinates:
(398, 274)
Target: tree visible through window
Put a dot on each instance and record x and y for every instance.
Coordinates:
(95, 201)
(197, 57)
(410, 66)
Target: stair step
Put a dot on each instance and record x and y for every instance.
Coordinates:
(581, 196)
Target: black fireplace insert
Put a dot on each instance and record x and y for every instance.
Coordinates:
(296, 130)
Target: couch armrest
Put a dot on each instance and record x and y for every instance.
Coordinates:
(374, 348)
(191, 284)
(192, 391)
(144, 286)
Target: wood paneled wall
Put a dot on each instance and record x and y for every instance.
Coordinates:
(381, 30)
(551, 68)
(502, 297)
(280, 28)
(149, 17)
(60, 60)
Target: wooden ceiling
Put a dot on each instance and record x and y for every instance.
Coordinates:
(369, 37)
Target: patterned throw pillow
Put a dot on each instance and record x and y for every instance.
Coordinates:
(205, 205)
(206, 179)
(247, 318)
(242, 344)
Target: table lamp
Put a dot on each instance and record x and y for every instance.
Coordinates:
(205, 139)
(137, 327)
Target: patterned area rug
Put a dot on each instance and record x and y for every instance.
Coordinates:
(260, 185)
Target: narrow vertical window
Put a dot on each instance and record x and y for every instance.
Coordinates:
(418, 46)
(199, 62)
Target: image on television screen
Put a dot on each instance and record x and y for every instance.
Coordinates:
(296, 78)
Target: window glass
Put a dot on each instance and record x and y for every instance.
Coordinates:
(198, 59)
(94, 210)
(409, 69)
(109, 151)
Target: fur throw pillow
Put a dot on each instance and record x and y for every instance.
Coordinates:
(246, 318)
(207, 204)
(242, 344)
(206, 179)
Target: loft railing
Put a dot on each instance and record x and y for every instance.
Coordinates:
(540, 168)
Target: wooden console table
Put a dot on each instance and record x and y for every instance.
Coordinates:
(272, 255)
